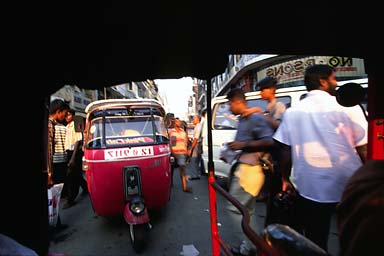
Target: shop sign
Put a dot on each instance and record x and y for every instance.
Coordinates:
(293, 70)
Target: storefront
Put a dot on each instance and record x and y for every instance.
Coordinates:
(289, 70)
(291, 73)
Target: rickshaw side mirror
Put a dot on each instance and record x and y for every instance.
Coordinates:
(79, 122)
(350, 94)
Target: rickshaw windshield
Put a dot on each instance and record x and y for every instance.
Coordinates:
(125, 130)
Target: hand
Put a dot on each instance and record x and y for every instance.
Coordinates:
(287, 185)
(237, 145)
(50, 182)
(71, 164)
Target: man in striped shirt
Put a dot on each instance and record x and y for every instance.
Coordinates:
(179, 143)
(57, 112)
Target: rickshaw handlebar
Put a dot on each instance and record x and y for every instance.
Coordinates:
(257, 240)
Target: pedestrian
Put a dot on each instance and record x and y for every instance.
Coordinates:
(275, 109)
(170, 120)
(56, 139)
(253, 136)
(60, 159)
(323, 143)
(274, 113)
(56, 173)
(204, 130)
(194, 152)
(179, 144)
(74, 177)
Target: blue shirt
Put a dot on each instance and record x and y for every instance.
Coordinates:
(253, 127)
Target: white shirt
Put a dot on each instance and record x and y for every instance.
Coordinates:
(323, 136)
(72, 136)
(197, 132)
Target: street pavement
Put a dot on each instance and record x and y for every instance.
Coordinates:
(185, 221)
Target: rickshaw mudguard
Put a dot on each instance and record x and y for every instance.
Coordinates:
(131, 218)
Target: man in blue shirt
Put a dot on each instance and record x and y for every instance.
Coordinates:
(253, 138)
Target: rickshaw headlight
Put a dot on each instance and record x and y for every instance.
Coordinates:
(136, 206)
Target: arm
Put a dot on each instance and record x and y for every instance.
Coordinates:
(275, 119)
(285, 164)
(362, 151)
(250, 111)
(253, 145)
(72, 161)
(194, 143)
(273, 122)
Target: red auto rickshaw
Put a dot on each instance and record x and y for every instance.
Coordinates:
(127, 161)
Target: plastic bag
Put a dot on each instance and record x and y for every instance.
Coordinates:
(227, 154)
(54, 194)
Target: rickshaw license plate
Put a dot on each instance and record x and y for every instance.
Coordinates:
(111, 154)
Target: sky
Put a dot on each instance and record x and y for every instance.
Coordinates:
(177, 93)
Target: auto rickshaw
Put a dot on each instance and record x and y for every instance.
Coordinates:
(127, 161)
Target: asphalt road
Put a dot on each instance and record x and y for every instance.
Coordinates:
(185, 221)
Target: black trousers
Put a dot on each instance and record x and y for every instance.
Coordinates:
(59, 172)
(59, 175)
(74, 179)
(273, 186)
(313, 220)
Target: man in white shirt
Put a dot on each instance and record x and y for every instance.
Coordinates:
(196, 148)
(74, 173)
(322, 144)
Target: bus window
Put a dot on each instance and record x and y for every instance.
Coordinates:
(223, 117)
(285, 99)
(263, 103)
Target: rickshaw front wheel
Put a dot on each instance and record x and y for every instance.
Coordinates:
(139, 235)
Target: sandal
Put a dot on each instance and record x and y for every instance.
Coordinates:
(187, 190)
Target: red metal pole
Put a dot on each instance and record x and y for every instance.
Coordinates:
(375, 109)
(211, 176)
(375, 114)
(213, 216)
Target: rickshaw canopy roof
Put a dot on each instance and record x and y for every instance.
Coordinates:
(114, 103)
(94, 46)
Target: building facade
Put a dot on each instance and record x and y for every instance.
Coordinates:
(79, 98)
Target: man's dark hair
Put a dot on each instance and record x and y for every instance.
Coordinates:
(314, 73)
(57, 105)
(72, 111)
(236, 93)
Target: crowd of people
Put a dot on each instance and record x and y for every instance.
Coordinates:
(65, 153)
(316, 146)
